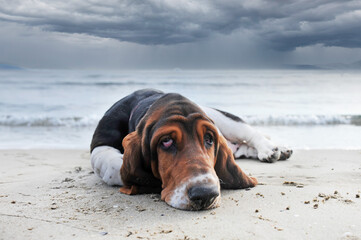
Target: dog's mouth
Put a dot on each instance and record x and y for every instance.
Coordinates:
(197, 206)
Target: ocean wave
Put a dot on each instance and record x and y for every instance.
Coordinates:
(303, 120)
(287, 120)
(45, 121)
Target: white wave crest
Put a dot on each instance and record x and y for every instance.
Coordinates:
(302, 120)
(46, 121)
(287, 120)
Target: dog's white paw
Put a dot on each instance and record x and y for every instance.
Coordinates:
(106, 162)
(286, 153)
(269, 154)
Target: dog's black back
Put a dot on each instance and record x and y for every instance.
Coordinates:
(122, 118)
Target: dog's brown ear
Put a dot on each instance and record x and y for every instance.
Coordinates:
(136, 178)
(229, 173)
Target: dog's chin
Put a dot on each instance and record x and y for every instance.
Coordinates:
(190, 206)
(216, 203)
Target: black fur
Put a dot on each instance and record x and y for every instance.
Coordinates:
(116, 122)
(126, 114)
(231, 116)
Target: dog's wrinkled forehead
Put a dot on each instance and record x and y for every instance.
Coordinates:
(171, 109)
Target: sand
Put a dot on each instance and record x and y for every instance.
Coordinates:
(53, 194)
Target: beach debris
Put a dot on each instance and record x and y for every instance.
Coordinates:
(260, 195)
(336, 192)
(256, 211)
(213, 213)
(288, 208)
(13, 202)
(278, 229)
(357, 195)
(298, 185)
(282, 193)
(315, 206)
(262, 218)
(129, 234)
(103, 233)
(155, 197)
(68, 180)
(166, 231)
(53, 206)
(140, 208)
(78, 169)
(307, 202)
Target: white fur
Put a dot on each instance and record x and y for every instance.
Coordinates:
(106, 162)
(246, 151)
(179, 198)
(242, 133)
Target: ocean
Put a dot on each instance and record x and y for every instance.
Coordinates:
(302, 109)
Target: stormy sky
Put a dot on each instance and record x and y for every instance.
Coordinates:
(178, 34)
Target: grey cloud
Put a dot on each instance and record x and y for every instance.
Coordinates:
(280, 25)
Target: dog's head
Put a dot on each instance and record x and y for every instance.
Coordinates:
(177, 149)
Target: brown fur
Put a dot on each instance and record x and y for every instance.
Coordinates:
(148, 168)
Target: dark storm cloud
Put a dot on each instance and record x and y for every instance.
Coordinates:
(280, 25)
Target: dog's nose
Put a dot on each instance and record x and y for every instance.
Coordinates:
(202, 197)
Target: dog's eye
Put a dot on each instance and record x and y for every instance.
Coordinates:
(166, 143)
(208, 140)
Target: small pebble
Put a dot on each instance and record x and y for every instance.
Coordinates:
(103, 233)
(357, 195)
(322, 195)
(315, 206)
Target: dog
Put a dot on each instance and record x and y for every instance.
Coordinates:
(155, 142)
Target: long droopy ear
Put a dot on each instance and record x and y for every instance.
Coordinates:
(135, 177)
(230, 174)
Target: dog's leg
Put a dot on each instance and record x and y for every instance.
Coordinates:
(242, 150)
(106, 162)
(237, 131)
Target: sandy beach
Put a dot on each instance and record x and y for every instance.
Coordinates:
(53, 194)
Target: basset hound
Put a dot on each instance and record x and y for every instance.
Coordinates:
(153, 142)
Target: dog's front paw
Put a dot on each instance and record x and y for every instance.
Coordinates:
(270, 155)
(285, 153)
